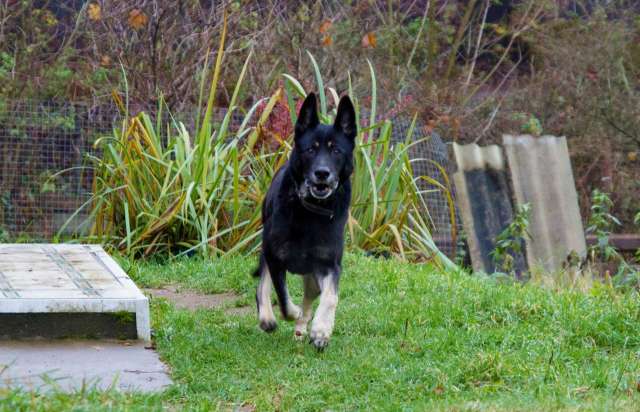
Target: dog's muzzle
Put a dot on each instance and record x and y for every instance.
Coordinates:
(320, 191)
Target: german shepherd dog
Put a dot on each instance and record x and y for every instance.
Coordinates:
(303, 217)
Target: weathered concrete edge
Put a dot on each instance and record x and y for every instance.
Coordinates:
(139, 304)
(42, 305)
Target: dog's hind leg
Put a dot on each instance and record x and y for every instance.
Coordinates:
(322, 325)
(311, 292)
(263, 299)
(289, 310)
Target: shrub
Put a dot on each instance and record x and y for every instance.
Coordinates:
(474, 70)
(510, 242)
(159, 188)
(601, 223)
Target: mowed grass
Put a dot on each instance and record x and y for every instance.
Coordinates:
(407, 337)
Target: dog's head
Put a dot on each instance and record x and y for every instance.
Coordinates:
(322, 157)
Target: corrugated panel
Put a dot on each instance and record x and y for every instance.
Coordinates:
(542, 176)
(484, 201)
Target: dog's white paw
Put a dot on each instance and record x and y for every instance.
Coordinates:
(268, 325)
(293, 312)
(319, 338)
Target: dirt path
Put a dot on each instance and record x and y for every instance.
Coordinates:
(192, 300)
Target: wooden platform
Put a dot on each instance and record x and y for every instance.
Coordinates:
(40, 283)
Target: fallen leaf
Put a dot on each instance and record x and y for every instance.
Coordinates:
(94, 11)
(137, 19)
(632, 156)
(327, 41)
(369, 40)
(105, 60)
(325, 26)
(50, 19)
(500, 30)
(438, 390)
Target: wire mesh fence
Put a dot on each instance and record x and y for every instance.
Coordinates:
(40, 140)
(45, 170)
(46, 174)
(430, 157)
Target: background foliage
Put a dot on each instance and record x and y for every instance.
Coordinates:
(471, 69)
(161, 186)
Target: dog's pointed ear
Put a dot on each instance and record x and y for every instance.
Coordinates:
(308, 116)
(346, 118)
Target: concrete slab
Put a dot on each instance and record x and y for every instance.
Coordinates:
(69, 365)
(45, 279)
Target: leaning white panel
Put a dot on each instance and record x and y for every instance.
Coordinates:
(47, 278)
(541, 174)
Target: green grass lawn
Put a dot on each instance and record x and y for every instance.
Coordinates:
(407, 337)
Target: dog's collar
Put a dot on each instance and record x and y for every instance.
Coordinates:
(311, 207)
(315, 208)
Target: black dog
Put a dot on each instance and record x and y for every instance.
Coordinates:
(303, 216)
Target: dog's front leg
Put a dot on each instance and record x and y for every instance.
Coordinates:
(311, 292)
(323, 321)
(263, 299)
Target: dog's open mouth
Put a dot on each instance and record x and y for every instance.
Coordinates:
(320, 190)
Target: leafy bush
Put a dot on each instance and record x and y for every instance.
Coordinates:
(159, 188)
(605, 259)
(601, 223)
(473, 70)
(510, 241)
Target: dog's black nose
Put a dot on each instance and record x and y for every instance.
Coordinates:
(322, 173)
